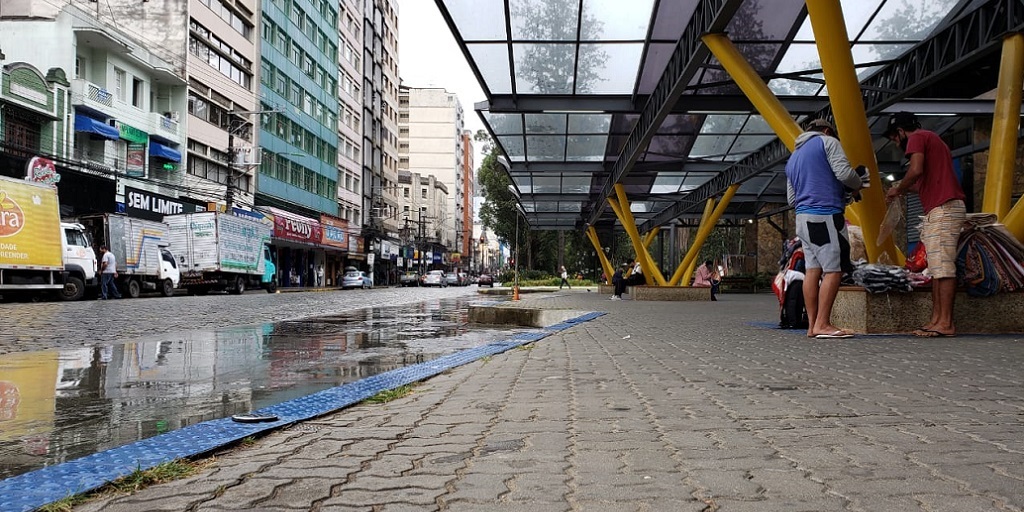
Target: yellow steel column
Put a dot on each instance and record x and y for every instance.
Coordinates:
(754, 88)
(1005, 125)
(681, 271)
(851, 119)
(606, 265)
(1015, 220)
(705, 230)
(651, 273)
(651, 235)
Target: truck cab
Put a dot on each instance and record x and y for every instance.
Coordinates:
(269, 279)
(79, 261)
(170, 274)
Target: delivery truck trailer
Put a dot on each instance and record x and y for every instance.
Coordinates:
(219, 251)
(140, 247)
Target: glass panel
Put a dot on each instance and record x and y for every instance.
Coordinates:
(787, 87)
(492, 60)
(693, 181)
(667, 183)
(544, 68)
(855, 12)
(514, 147)
(615, 19)
(672, 18)
(764, 20)
(586, 148)
(547, 185)
(640, 206)
(505, 124)
(730, 124)
(746, 144)
(529, 206)
(545, 124)
(608, 68)
(799, 57)
(654, 66)
(523, 183)
(478, 19)
(757, 124)
(546, 206)
(576, 184)
(570, 206)
(712, 147)
(589, 123)
(544, 20)
(907, 20)
(864, 53)
(546, 147)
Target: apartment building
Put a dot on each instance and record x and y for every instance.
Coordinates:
(350, 119)
(433, 143)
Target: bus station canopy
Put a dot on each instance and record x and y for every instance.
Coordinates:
(586, 94)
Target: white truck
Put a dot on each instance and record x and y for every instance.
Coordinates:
(140, 248)
(219, 251)
(39, 254)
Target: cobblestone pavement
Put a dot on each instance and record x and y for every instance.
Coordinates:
(64, 325)
(656, 406)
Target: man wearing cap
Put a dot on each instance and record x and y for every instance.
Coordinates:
(931, 175)
(818, 178)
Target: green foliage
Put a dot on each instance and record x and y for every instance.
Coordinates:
(140, 479)
(390, 394)
(65, 504)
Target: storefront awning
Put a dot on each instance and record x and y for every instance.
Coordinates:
(89, 125)
(158, 150)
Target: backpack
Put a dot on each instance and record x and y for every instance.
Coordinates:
(793, 314)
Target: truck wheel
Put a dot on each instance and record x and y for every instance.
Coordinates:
(239, 287)
(74, 289)
(168, 288)
(272, 286)
(134, 288)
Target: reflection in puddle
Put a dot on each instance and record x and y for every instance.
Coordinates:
(58, 406)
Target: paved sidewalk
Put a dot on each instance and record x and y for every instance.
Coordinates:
(656, 406)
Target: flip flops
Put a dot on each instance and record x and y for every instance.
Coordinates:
(834, 335)
(932, 333)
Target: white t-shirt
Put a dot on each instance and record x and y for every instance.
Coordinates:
(110, 263)
(565, 275)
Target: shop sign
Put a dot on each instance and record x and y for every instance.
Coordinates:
(135, 163)
(142, 204)
(296, 228)
(247, 214)
(334, 232)
(42, 170)
(456, 257)
(132, 134)
(370, 258)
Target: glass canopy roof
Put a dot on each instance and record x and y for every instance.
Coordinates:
(566, 81)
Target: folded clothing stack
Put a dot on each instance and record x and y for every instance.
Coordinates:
(989, 258)
(877, 278)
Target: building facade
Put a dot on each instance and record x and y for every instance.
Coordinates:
(433, 143)
(468, 193)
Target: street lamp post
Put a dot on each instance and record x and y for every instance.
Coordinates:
(515, 287)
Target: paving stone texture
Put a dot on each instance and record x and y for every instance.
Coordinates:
(656, 406)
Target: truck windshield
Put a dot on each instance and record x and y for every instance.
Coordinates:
(75, 238)
(168, 257)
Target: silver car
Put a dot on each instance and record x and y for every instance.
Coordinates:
(356, 279)
(435, 278)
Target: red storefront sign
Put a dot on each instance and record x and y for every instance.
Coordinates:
(289, 226)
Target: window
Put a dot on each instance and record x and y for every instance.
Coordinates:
(119, 83)
(423, 193)
(137, 92)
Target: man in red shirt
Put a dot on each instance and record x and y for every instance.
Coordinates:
(931, 175)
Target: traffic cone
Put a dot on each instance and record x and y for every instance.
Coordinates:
(515, 292)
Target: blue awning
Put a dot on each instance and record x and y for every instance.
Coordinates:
(158, 150)
(90, 125)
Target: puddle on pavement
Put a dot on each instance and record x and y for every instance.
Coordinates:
(61, 405)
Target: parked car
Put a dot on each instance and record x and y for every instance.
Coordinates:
(452, 279)
(410, 278)
(435, 278)
(356, 279)
(485, 280)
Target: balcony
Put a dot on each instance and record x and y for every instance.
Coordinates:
(164, 125)
(91, 96)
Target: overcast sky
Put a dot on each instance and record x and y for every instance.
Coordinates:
(429, 57)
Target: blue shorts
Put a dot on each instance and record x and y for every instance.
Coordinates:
(824, 240)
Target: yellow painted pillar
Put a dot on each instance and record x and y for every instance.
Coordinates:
(851, 119)
(1005, 125)
(651, 235)
(606, 265)
(651, 273)
(1015, 220)
(754, 88)
(681, 271)
(705, 229)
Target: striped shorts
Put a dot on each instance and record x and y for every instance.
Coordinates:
(940, 233)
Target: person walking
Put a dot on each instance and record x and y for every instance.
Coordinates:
(565, 279)
(931, 175)
(108, 275)
(818, 177)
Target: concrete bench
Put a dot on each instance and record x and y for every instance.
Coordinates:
(897, 312)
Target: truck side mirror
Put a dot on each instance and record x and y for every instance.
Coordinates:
(181, 259)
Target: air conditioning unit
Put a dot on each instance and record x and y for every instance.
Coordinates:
(173, 116)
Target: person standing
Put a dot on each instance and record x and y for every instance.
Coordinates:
(320, 276)
(931, 175)
(108, 275)
(619, 282)
(565, 279)
(818, 178)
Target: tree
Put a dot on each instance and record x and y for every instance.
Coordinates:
(498, 212)
(910, 22)
(551, 67)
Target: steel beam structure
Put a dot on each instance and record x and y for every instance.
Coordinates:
(972, 36)
(689, 54)
(626, 104)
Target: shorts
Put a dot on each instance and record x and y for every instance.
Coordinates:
(824, 241)
(940, 233)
